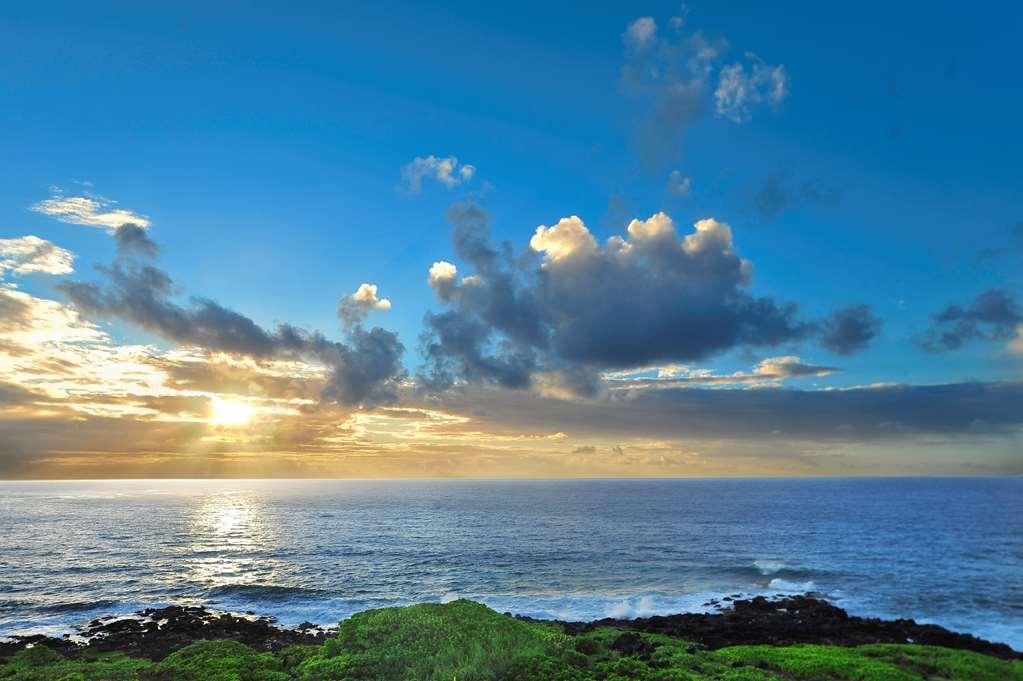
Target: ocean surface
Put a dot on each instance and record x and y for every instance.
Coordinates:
(948, 551)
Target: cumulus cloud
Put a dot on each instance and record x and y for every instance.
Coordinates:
(28, 254)
(994, 315)
(566, 238)
(91, 210)
(354, 307)
(365, 370)
(743, 86)
(445, 170)
(568, 307)
(679, 184)
(850, 329)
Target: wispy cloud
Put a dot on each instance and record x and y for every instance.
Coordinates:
(89, 209)
(27, 254)
(640, 33)
(679, 184)
(743, 86)
(445, 170)
(671, 76)
(776, 195)
(769, 372)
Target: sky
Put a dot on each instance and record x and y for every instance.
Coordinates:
(510, 240)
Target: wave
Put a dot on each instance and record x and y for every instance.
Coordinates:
(264, 592)
(786, 586)
(77, 606)
(768, 567)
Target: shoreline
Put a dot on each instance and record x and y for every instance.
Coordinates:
(155, 633)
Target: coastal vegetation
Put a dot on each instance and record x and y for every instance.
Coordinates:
(466, 641)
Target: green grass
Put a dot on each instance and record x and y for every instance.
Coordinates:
(466, 641)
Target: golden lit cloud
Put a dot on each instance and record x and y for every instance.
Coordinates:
(228, 412)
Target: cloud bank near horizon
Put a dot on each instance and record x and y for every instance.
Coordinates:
(565, 356)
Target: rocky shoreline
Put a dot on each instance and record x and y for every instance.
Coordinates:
(793, 620)
(157, 632)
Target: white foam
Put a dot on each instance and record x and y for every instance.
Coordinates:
(768, 567)
(644, 606)
(786, 586)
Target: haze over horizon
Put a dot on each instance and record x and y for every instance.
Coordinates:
(468, 241)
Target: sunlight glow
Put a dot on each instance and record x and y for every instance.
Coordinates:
(225, 412)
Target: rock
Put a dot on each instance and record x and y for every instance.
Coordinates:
(632, 644)
(157, 632)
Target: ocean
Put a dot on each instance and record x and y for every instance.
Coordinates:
(947, 551)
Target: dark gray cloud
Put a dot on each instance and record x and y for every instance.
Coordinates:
(134, 240)
(850, 330)
(141, 294)
(776, 194)
(582, 308)
(365, 370)
(992, 316)
(863, 414)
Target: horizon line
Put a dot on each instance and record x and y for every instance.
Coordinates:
(528, 479)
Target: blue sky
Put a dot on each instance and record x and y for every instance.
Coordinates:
(265, 143)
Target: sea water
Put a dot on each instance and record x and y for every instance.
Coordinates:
(947, 551)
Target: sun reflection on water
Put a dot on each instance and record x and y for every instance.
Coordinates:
(232, 542)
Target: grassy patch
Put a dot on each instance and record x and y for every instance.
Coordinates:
(458, 640)
(42, 664)
(466, 641)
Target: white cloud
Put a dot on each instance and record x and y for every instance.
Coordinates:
(31, 254)
(740, 90)
(567, 237)
(640, 32)
(353, 308)
(91, 210)
(441, 271)
(769, 372)
(657, 226)
(790, 365)
(710, 236)
(442, 278)
(678, 184)
(64, 362)
(445, 170)
(366, 295)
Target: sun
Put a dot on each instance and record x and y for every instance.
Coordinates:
(225, 412)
